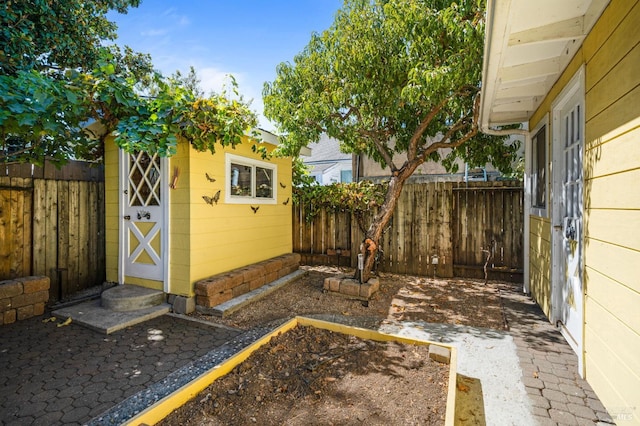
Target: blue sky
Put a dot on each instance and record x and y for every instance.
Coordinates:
(246, 38)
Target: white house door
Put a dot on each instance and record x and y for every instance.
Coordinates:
(142, 216)
(568, 280)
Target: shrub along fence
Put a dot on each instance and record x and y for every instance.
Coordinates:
(52, 224)
(438, 228)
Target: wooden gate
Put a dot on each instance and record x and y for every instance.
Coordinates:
(52, 223)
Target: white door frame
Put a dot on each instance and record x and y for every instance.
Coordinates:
(123, 158)
(575, 88)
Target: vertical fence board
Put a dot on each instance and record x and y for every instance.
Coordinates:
(17, 231)
(63, 236)
(73, 245)
(51, 234)
(5, 228)
(83, 235)
(297, 227)
(28, 228)
(93, 232)
(39, 227)
(446, 238)
(101, 252)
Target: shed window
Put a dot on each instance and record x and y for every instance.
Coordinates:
(539, 170)
(250, 181)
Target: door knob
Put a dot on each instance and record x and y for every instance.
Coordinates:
(127, 217)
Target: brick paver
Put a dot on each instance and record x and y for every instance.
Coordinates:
(558, 395)
(68, 375)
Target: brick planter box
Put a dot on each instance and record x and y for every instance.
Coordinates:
(348, 287)
(220, 288)
(22, 298)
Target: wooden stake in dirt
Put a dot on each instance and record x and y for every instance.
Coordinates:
(486, 275)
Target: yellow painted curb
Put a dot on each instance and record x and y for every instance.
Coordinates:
(166, 405)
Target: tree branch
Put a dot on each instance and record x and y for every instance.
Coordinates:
(442, 143)
(413, 143)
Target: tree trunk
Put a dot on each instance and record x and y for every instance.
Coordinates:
(369, 246)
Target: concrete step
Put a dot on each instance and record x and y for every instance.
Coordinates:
(125, 298)
(96, 317)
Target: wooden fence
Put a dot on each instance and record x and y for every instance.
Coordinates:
(52, 223)
(454, 224)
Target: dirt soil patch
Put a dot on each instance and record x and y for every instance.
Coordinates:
(400, 298)
(303, 377)
(309, 376)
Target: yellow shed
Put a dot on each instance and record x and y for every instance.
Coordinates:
(171, 222)
(569, 72)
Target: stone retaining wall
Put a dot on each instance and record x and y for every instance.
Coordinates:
(220, 288)
(22, 298)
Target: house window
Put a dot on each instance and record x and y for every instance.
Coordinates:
(539, 170)
(250, 181)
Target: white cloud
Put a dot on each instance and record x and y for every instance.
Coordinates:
(179, 20)
(212, 79)
(154, 32)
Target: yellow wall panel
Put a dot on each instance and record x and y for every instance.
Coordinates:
(615, 47)
(111, 210)
(619, 227)
(153, 284)
(614, 382)
(618, 263)
(614, 191)
(611, 19)
(614, 155)
(617, 116)
(227, 236)
(612, 300)
(540, 262)
(619, 81)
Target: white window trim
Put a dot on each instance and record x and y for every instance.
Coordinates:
(540, 211)
(246, 161)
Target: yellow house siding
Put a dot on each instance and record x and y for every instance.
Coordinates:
(225, 236)
(615, 383)
(540, 261)
(612, 208)
(611, 58)
(111, 199)
(179, 226)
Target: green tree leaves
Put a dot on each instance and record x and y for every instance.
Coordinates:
(57, 76)
(396, 80)
(389, 77)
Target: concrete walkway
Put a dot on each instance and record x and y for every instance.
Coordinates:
(52, 375)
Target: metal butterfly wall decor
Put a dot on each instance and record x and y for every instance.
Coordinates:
(211, 200)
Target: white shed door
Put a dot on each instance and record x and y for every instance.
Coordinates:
(143, 216)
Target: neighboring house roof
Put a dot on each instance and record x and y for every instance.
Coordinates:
(326, 150)
(528, 44)
(321, 168)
